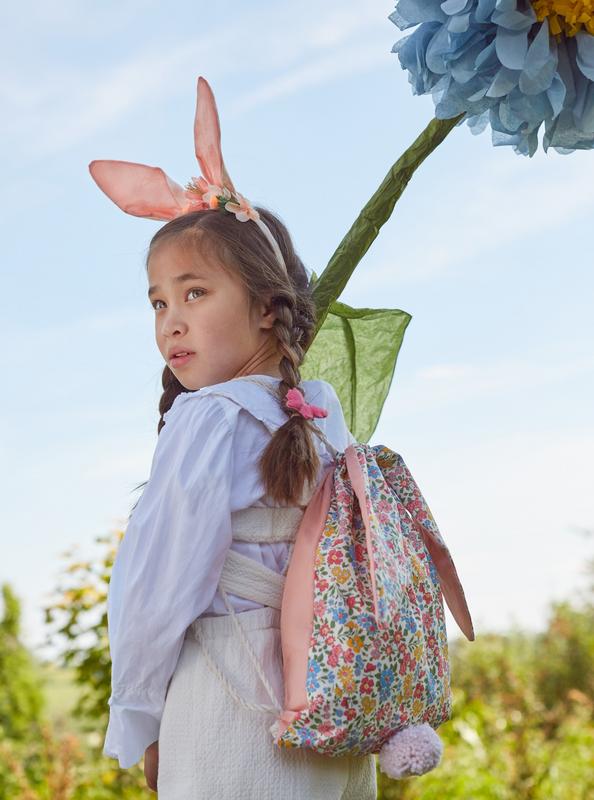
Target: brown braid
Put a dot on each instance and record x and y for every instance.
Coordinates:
(290, 460)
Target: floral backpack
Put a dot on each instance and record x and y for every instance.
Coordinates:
(365, 652)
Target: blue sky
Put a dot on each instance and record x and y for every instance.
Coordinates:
(491, 404)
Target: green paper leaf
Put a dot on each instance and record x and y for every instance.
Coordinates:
(356, 350)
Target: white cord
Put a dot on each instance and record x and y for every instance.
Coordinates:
(276, 708)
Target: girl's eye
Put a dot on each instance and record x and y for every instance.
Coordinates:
(189, 292)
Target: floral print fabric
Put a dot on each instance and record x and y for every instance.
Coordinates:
(378, 662)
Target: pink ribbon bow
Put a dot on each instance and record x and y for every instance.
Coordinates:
(296, 401)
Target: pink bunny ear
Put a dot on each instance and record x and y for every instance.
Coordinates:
(141, 190)
(448, 578)
(207, 137)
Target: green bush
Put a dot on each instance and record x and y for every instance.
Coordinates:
(53, 750)
(21, 699)
(522, 724)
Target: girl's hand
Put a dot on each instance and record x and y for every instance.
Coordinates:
(151, 765)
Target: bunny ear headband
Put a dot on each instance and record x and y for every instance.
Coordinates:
(149, 192)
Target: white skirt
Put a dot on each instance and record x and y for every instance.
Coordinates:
(211, 747)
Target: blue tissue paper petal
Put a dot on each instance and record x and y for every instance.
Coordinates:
(497, 63)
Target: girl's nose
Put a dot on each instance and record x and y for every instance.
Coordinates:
(174, 323)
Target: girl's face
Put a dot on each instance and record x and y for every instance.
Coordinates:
(202, 308)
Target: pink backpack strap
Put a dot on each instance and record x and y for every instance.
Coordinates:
(297, 613)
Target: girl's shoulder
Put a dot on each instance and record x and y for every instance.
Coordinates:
(256, 394)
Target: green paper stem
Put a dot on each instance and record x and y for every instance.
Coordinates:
(374, 214)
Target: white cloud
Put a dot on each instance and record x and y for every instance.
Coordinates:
(436, 385)
(87, 21)
(354, 58)
(74, 105)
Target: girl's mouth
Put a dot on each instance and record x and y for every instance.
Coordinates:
(180, 360)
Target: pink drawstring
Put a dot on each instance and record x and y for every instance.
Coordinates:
(296, 401)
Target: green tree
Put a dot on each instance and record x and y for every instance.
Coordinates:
(522, 726)
(34, 762)
(77, 627)
(21, 697)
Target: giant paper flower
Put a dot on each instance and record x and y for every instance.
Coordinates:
(513, 64)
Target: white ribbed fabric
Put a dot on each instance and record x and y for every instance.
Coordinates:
(227, 689)
(254, 581)
(276, 525)
(248, 578)
(210, 747)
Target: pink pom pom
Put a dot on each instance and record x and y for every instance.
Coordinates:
(411, 751)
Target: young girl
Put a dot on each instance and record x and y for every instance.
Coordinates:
(232, 322)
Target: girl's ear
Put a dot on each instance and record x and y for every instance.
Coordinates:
(267, 312)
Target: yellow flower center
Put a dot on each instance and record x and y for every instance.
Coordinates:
(566, 17)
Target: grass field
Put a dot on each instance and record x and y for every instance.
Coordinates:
(61, 693)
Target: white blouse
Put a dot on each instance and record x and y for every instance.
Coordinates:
(168, 565)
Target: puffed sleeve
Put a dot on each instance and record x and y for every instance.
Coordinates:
(167, 567)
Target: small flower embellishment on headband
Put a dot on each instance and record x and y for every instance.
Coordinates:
(242, 210)
(296, 401)
(220, 197)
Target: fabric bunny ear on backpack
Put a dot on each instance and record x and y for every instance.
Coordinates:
(448, 578)
(422, 519)
(146, 191)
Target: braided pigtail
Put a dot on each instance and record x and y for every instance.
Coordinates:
(290, 462)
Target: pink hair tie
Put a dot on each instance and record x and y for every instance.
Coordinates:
(296, 401)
